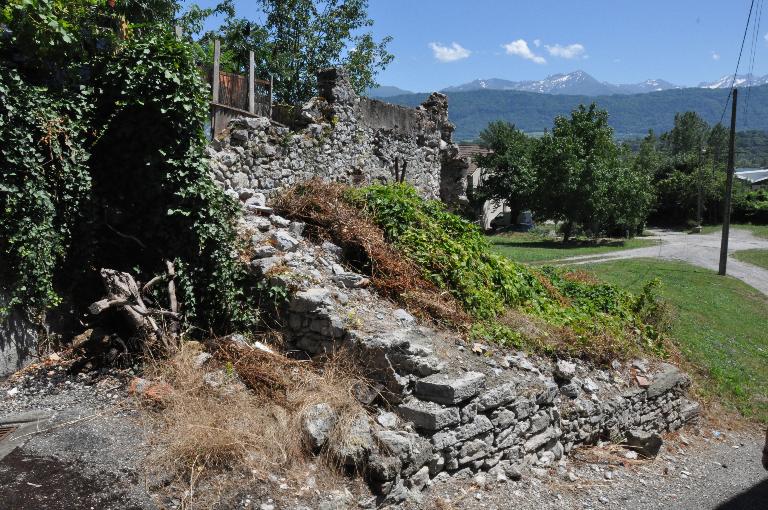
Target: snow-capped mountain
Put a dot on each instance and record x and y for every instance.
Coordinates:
(742, 80)
(575, 83)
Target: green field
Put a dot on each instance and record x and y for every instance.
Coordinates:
(758, 230)
(757, 257)
(522, 247)
(720, 326)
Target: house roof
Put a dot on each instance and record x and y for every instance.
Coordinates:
(752, 175)
(472, 149)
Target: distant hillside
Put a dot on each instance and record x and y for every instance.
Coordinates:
(386, 91)
(630, 115)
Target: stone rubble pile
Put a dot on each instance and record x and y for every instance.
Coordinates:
(443, 409)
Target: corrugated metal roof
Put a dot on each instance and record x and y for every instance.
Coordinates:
(752, 174)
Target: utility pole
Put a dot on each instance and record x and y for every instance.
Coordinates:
(700, 200)
(728, 189)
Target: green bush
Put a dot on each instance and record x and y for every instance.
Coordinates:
(151, 181)
(44, 182)
(594, 319)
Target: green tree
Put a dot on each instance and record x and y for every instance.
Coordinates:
(575, 166)
(507, 172)
(298, 38)
(687, 160)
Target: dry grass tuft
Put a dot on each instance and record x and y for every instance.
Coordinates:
(324, 208)
(248, 420)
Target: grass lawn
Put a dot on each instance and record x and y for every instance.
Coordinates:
(758, 230)
(757, 257)
(523, 247)
(719, 326)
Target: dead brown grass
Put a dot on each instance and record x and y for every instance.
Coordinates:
(249, 421)
(324, 208)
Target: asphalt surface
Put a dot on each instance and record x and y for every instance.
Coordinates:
(696, 249)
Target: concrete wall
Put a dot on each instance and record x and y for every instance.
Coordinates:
(18, 341)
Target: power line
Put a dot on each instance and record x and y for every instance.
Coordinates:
(738, 62)
(753, 56)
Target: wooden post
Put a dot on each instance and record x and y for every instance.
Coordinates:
(216, 58)
(728, 189)
(177, 29)
(271, 97)
(251, 77)
(215, 84)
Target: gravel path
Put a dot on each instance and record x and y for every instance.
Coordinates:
(697, 249)
(88, 453)
(712, 470)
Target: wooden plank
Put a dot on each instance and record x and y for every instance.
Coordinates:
(251, 84)
(216, 58)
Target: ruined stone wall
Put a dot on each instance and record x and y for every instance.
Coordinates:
(443, 409)
(512, 412)
(339, 136)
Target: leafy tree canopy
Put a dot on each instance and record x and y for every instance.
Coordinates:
(297, 39)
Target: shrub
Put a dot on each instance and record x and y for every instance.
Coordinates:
(44, 182)
(153, 197)
(578, 316)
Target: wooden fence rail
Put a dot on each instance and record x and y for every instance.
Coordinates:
(236, 95)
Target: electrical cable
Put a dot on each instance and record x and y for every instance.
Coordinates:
(738, 62)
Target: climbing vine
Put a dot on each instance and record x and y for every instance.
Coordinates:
(44, 182)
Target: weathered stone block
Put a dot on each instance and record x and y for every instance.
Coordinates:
(317, 423)
(536, 442)
(448, 438)
(495, 397)
(450, 388)
(428, 415)
(647, 444)
(671, 378)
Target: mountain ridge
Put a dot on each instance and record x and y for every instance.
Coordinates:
(630, 115)
(576, 83)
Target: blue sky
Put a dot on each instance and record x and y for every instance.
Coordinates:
(448, 42)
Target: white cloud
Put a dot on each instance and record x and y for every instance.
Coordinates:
(537, 42)
(450, 53)
(715, 56)
(575, 50)
(521, 49)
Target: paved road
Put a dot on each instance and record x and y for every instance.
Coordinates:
(697, 249)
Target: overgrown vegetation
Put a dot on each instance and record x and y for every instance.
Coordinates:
(44, 182)
(564, 313)
(102, 161)
(241, 413)
(151, 182)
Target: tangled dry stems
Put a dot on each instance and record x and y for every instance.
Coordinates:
(250, 421)
(325, 209)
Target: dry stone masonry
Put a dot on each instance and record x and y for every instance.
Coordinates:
(443, 410)
(339, 136)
